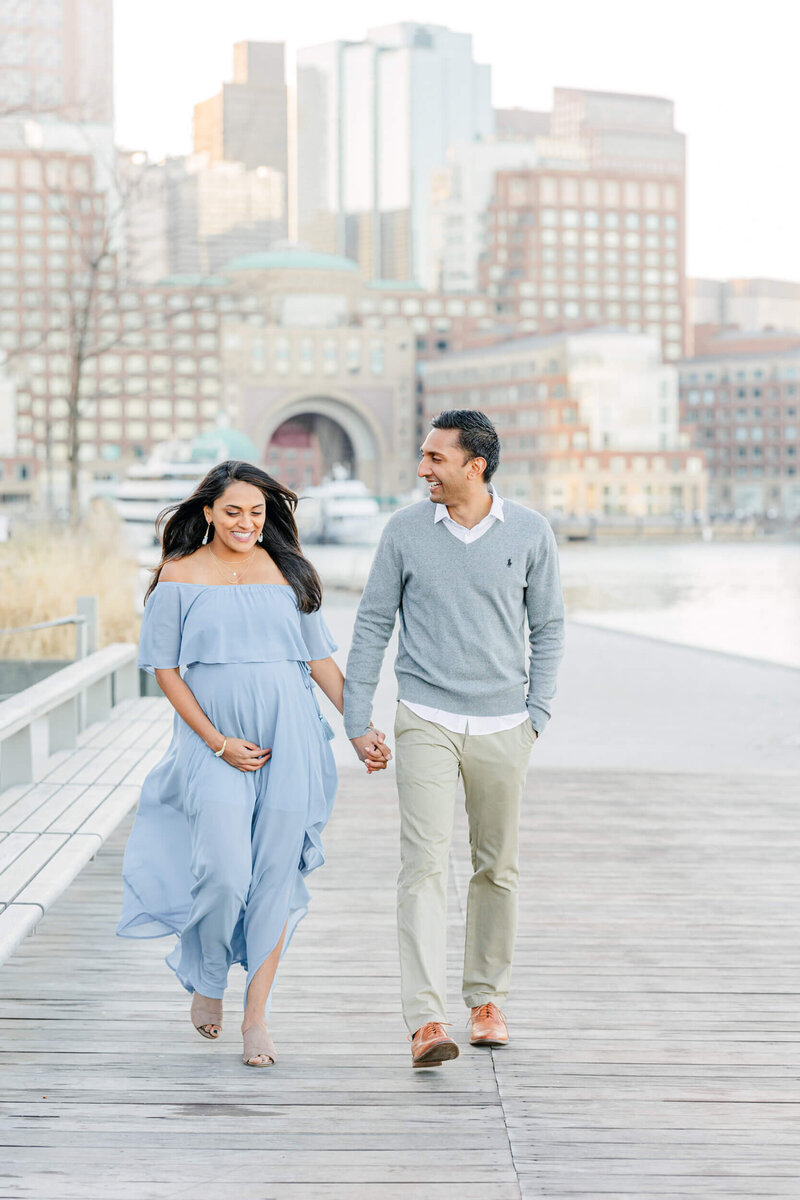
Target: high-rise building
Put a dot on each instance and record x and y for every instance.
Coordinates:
(375, 120)
(189, 216)
(246, 122)
(571, 222)
(57, 83)
(594, 234)
(747, 304)
(320, 148)
(57, 59)
(460, 195)
(575, 249)
(520, 124)
(54, 216)
(623, 132)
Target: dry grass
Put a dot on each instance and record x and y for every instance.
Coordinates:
(44, 570)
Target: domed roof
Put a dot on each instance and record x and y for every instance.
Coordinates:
(217, 445)
(291, 260)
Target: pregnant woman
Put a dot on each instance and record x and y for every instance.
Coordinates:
(229, 822)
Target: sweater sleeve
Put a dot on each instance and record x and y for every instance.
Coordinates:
(373, 628)
(545, 608)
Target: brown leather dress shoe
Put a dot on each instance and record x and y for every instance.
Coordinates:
(431, 1045)
(487, 1026)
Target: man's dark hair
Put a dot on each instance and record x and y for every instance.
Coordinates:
(477, 436)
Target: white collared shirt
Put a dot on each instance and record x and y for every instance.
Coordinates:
(456, 722)
(463, 534)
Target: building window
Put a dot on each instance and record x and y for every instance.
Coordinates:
(330, 363)
(377, 358)
(306, 356)
(281, 359)
(258, 353)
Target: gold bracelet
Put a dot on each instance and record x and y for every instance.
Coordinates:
(219, 753)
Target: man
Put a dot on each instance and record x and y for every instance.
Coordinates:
(466, 574)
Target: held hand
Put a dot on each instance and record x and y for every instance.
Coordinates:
(378, 759)
(372, 750)
(245, 756)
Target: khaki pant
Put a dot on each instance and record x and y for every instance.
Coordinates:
(429, 760)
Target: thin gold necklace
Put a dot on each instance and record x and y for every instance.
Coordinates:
(237, 575)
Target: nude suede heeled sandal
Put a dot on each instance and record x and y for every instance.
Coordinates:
(206, 1012)
(258, 1042)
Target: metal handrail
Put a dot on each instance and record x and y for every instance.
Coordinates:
(84, 620)
(75, 619)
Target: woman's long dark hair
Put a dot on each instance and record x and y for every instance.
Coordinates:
(186, 525)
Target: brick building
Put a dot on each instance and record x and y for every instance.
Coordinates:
(275, 338)
(57, 59)
(588, 423)
(739, 403)
(570, 250)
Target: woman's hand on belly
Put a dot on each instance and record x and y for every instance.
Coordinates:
(245, 756)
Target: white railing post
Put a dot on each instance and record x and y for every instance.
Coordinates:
(98, 700)
(16, 758)
(125, 683)
(63, 726)
(86, 630)
(85, 644)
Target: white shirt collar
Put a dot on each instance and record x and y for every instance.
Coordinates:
(495, 512)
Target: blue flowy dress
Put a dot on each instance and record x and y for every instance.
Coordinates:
(216, 855)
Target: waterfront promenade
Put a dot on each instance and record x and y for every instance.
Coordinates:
(654, 1012)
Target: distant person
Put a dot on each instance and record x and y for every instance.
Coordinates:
(467, 574)
(230, 820)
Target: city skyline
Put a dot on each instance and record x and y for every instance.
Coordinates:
(741, 180)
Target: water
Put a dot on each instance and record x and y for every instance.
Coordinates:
(741, 598)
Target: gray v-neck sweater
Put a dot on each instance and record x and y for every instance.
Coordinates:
(463, 615)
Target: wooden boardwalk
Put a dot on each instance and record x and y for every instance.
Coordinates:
(654, 1017)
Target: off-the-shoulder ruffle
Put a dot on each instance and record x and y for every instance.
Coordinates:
(186, 623)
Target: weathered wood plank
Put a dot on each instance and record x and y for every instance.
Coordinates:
(41, 1187)
(25, 865)
(653, 1017)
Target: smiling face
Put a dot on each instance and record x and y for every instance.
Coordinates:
(451, 476)
(237, 516)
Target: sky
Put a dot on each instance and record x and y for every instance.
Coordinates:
(731, 68)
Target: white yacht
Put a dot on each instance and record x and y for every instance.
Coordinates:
(169, 474)
(341, 512)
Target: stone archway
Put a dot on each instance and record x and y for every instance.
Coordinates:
(367, 452)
